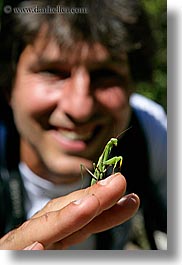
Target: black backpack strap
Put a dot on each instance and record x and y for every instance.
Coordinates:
(12, 200)
(134, 149)
(3, 132)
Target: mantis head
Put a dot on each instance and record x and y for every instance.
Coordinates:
(114, 141)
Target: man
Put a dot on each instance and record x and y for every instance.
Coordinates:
(70, 87)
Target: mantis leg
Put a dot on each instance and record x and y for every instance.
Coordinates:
(114, 161)
(82, 166)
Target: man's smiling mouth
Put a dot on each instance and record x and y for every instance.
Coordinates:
(72, 135)
(75, 140)
(86, 134)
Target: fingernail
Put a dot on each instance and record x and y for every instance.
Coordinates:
(130, 198)
(107, 180)
(31, 247)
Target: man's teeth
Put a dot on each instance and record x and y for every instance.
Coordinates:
(77, 136)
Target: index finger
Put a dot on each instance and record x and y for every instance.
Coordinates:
(57, 221)
(110, 189)
(53, 226)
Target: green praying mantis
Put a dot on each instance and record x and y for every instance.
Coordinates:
(104, 161)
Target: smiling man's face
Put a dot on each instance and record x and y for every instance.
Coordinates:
(67, 106)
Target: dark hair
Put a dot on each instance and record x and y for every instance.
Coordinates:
(119, 25)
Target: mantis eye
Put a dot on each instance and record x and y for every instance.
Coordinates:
(114, 141)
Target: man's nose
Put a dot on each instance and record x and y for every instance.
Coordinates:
(78, 100)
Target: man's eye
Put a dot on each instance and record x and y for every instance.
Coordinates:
(55, 73)
(105, 77)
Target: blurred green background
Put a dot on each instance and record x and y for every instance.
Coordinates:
(157, 11)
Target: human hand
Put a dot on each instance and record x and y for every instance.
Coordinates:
(71, 219)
